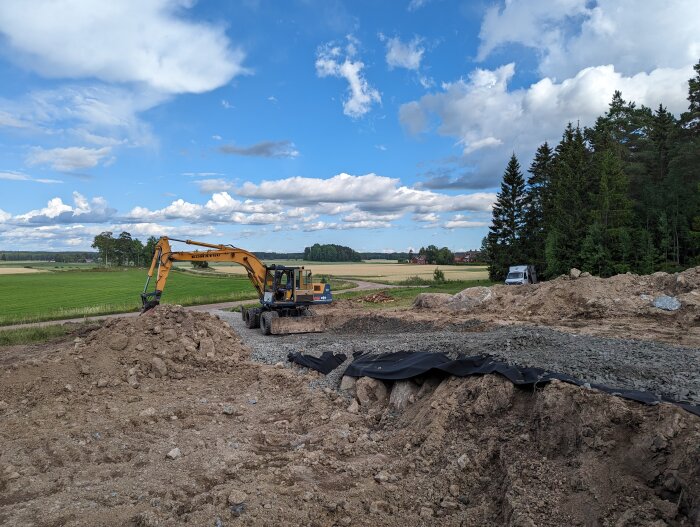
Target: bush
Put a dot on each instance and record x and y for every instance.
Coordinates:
(415, 280)
(200, 264)
(438, 275)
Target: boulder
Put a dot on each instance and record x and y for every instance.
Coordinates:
(574, 273)
(158, 366)
(370, 391)
(432, 300)
(119, 342)
(667, 303)
(347, 383)
(472, 297)
(403, 393)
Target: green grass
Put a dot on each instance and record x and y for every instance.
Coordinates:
(12, 337)
(53, 296)
(405, 296)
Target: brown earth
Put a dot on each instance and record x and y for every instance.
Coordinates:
(620, 306)
(163, 420)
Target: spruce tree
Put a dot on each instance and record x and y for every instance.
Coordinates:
(505, 234)
(570, 203)
(538, 206)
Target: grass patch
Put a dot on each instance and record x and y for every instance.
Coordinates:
(13, 337)
(54, 296)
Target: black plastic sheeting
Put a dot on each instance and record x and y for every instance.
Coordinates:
(326, 363)
(406, 365)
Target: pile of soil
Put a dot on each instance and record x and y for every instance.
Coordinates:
(97, 432)
(623, 303)
(377, 298)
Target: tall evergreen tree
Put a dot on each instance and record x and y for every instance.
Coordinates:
(504, 239)
(538, 206)
(570, 201)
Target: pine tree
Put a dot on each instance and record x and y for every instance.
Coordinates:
(505, 234)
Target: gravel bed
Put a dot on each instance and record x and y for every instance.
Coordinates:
(622, 363)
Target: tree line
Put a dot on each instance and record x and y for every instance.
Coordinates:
(622, 195)
(330, 253)
(433, 255)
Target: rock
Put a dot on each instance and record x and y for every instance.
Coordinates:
(140, 347)
(448, 503)
(158, 366)
(463, 461)
(148, 412)
(454, 490)
(347, 383)
(370, 391)
(157, 330)
(133, 381)
(471, 297)
(13, 475)
(174, 453)
(237, 497)
(68, 387)
(354, 407)
(119, 342)
(379, 507)
(228, 410)
(169, 335)
(432, 300)
(206, 346)
(84, 370)
(667, 303)
(426, 512)
(3, 406)
(574, 273)
(585, 275)
(402, 393)
(102, 382)
(384, 477)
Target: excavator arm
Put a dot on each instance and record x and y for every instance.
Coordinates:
(164, 257)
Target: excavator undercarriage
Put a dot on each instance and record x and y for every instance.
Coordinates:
(286, 293)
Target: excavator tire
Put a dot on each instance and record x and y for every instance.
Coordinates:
(266, 321)
(243, 312)
(252, 318)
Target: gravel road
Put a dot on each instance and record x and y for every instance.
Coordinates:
(641, 365)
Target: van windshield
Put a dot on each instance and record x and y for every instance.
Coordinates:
(514, 276)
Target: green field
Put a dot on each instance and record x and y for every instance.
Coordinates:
(58, 295)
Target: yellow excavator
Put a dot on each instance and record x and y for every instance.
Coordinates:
(285, 293)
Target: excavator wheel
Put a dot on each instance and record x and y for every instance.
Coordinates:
(266, 321)
(252, 318)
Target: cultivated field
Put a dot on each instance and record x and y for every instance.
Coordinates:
(389, 272)
(19, 270)
(57, 295)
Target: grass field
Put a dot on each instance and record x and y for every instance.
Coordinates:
(20, 270)
(385, 272)
(53, 296)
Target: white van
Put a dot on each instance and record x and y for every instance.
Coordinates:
(521, 274)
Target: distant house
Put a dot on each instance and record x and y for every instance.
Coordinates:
(419, 260)
(468, 257)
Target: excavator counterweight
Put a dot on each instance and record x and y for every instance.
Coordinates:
(285, 293)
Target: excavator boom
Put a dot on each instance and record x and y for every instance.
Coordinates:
(285, 293)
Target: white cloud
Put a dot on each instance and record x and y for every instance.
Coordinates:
(461, 222)
(334, 226)
(4, 216)
(335, 61)
(263, 149)
(19, 176)
(573, 34)
(403, 55)
(131, 41)
(67, 159)
(208, 186)
(83, 210)
(489, 121)
(416, 4)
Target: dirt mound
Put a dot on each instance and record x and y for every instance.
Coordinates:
(567, 299)
(161, 420)
(377, 298)
(168, 342)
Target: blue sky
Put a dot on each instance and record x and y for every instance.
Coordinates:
(274, 125)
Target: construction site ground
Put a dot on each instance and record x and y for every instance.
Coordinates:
(184, 418)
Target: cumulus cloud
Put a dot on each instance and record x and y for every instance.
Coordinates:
(67, 159)
(333, 60)
(19, 176)
(462, 222)
(130, 41)
(489, 121)
(209, 186)
(95, 210)
(574, 34)
(403, 54)
(262, 149)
